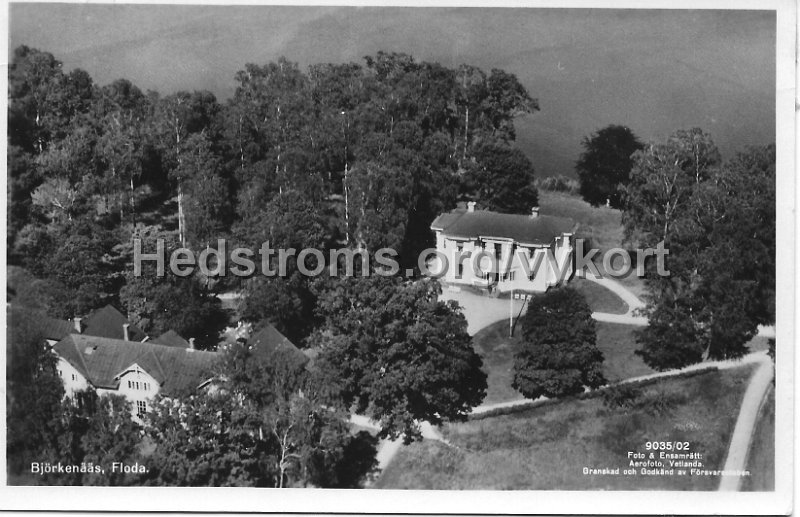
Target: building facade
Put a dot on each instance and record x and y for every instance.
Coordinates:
(503, 252)
(137, 371)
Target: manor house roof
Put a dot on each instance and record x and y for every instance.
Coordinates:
(524, 229)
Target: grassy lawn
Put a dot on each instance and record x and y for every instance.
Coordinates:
(761, 458)
(546, 448)
(497, 350)
(617, 343)
(598, 297)
(600, 227)
(758, 344)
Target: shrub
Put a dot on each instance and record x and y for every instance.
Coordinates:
(621, 396)
(660, 402)
(559, 354)
(559, 184)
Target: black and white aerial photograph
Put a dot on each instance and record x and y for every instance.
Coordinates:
(518, 250)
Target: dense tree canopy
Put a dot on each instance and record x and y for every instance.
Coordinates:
(264, 425)
(398, 354)
(364, 155)
(605, 164)
(501, 179)
(33, 395)
(718, 222)
(169, 302)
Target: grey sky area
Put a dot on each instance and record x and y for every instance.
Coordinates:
(653, 70)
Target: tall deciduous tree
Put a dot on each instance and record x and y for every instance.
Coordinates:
(717, 220)
(398, 354)
(662, 180)
(559, 355)
(289, 221)
(502, 179)
(121, 109)
(380, 195)
(671, 338)
(605, 164)
(176, 117)
(169, 302)
(110, 436)
(205, 207)
(33, 396)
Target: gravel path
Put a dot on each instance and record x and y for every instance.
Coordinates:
(481, 311)
(746, 425)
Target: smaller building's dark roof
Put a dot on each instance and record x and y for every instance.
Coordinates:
(102, 360)
(55, 329)
(171, 338)
(523, 229)
(108, 322)
(268, 340)
(51, 328)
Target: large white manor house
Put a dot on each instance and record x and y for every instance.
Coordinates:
(510, 239)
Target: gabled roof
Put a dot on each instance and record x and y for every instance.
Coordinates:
(55, 329)
(171, 338)
(102, 360)
(50, 328)
(268, 340)
(108, 322)
(524, 229)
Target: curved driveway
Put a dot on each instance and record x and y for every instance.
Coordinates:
(481, 311)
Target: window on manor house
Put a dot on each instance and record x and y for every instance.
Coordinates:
(74, 377)
(141, 407)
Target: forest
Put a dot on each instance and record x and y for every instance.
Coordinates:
(354, 155)
(340, 155)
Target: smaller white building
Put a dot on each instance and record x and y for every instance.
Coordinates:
(137, 371)
(504, 252)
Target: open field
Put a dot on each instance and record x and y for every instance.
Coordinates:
(546, 448)
(601, 228)
(497, 350)
(761, 458)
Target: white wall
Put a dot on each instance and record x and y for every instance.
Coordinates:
(147, 388)
(137, 385)
(73, 380)
(561, 248)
